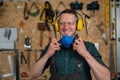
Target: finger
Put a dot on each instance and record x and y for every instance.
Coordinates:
(75, 45)
(80, 39)
(57, 48)
(54, 40)
(56, 43)
(76, 42)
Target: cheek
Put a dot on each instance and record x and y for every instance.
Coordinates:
(70, 30)
(73, 29)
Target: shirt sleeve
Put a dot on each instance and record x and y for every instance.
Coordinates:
(94, 52)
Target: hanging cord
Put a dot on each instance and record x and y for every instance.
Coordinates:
(34, 14)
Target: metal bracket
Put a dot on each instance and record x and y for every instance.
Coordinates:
(118, 36)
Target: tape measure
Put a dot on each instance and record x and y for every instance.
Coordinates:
(107, 9)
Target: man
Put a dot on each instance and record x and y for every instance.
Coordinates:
(70, 62)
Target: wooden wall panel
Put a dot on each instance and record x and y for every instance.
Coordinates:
(11, 15)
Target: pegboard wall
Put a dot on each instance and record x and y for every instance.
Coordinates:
(12, 15)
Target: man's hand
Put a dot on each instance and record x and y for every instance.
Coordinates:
(79, 46)
(53, 47)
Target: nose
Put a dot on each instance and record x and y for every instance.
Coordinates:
(66, 25)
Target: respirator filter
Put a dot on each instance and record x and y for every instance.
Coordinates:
(67, 41)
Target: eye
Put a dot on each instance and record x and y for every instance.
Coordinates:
(62, 23)
(70, 23)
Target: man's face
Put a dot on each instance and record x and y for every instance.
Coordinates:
(67, 24)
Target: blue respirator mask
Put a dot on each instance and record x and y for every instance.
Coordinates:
(67, 41)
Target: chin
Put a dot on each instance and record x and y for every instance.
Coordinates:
(67, 34)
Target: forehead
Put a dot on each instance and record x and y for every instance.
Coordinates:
(67, 16)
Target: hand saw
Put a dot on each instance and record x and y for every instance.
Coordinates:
(111, 63)
(0, 67)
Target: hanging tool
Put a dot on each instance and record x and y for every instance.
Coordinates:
(23, 58)
(111, 63)
(118, 37)
(28, 42)
(24, 74)
(41, 40)
(41, 28)
(21, 26)
(7, 33)
(47, 13)
(35, 51)
(107, 11)
(21, 29)
(76, 5)
(14, 71)
(112, 19)
(113, 31)
(57, 12)
(84, 17)
(0, 66)
(47, 16)
(28, 57)
(99, 26)
(1, 3)
(11, 68)
(93, 6)
(85, 22)
(35, 13)
(26, 16)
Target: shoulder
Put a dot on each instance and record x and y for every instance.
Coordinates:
(92, 49)
(89, 44)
